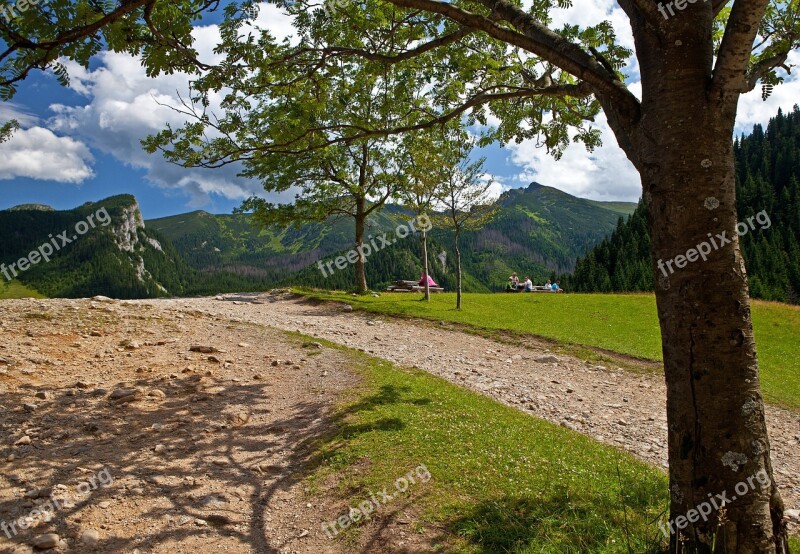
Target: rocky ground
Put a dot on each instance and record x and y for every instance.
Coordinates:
(177, 426)
(622, 408)
(129, 428)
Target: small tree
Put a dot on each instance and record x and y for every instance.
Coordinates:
(298, 137)
(464, 199)
(426, 174)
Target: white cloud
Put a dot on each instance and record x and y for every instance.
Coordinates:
(39, 153)
(752, 109)
(122, 107)
(272, 18)
(125, 106)
(496, 187)
(12, 110)
(588, 13)
(605, 174)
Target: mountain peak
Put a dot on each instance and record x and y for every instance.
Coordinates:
(33, 207)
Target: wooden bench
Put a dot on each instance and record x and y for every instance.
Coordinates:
(411, 286)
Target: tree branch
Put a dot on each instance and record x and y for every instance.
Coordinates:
(397, 58)
(642, 10)
(240, 153)
(761, 68)
(717, 5)
(18, 42)
(537, 39)
(730, 72)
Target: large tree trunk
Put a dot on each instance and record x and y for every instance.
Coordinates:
(425, 265)
(717, 434)
(458, 269)
(361, 261)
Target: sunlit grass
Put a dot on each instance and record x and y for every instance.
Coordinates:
(15, 289)
(502, 481)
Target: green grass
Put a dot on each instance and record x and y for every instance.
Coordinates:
(626, 324)
(502, 481)
(15, 289)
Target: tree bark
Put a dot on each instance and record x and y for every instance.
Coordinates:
(361, 260)
(717, 437)
(425, 265)
(458, 269)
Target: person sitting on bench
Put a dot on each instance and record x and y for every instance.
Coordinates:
(528, 284)
(557, 288)
(513, 281)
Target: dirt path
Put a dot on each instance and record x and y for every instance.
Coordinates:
(126, 441)
(614, 406)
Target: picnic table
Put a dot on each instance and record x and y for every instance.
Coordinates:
(411, 286)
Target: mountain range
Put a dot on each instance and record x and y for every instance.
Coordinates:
(538, 231)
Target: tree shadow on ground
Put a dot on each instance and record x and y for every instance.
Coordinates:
(209, 451)
(554, 521)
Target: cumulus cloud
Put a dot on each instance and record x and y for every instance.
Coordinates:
(39, 153)
(125, 105)
(271, 17)
(497, 185)
(605, 174)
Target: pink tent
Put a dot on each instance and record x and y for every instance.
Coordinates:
(431, 282)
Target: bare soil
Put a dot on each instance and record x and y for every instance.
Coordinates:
(203, 452)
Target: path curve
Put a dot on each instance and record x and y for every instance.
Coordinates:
(614, 406)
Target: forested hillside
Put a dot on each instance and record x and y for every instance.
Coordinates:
(768, 173)
(537, 231)
(97, 248)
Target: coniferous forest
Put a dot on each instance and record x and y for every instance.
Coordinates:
(767, 177)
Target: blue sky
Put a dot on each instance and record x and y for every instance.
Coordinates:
(81, 143)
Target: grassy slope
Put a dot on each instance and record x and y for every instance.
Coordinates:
(502, 481)
(621, 323)
(15, 289)
(622, 208)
